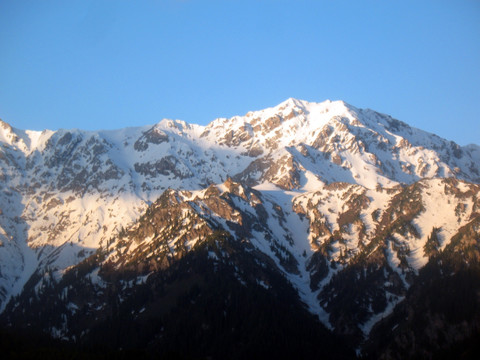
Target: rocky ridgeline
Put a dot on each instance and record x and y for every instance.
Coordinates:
(348, 206)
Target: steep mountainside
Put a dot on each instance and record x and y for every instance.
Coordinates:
(335, 210)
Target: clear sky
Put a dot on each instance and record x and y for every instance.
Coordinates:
(110, 64)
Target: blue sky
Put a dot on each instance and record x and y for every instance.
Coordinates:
(110, 64)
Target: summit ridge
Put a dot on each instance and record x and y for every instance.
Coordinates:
(330, 196)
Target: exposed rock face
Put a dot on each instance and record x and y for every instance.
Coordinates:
(167, 166)
(348, 205)
(153, 136)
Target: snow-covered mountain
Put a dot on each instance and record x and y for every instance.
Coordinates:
(347, 204)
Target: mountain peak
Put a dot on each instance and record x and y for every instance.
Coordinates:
(5, 127)
(334, 107)
(7, 133)
(307, 188)
(3, 124)
(291, 103)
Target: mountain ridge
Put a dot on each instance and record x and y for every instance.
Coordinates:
(329, 193)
